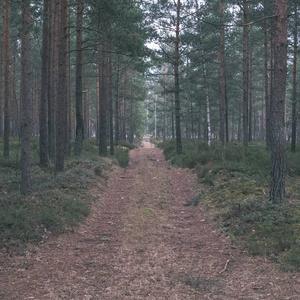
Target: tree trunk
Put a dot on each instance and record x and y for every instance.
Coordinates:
(6, 57)
(102, 102)
(267, 95)
(222, 78)
(278, 164)
(44, 89)
(245, 75)
(294, 97)
(61, 109)
(26, 119)
(165, 102)
(69, 97)
(117, 129)
(79, 117)
(177, 87)
(52, 86)
(111, 112)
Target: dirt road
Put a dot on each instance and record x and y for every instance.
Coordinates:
(142, 242)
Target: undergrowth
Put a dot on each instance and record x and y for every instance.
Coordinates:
(235, 193)
(57, 202)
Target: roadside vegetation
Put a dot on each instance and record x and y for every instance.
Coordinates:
(57, 202)
(235, 193)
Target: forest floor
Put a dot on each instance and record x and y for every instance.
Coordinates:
(141, 242)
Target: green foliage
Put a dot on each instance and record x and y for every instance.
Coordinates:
(235, 191)
(57, 203)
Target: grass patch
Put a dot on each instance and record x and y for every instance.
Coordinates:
(57, 203)
(235, 192)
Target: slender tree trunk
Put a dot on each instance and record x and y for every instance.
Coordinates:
(69, 96)
(1, 71)
(6, 58)
(131, 133)
(103, 103)
(267, 95)
(117, 125)
(124, 136)
(111, 112)
(294, 106)
(278, 164)
(222, 78)
(177, 87)
(61, 111)
(79, 117)
(250, 98)
(245, 75)
(165, 101)
(44, 89)
(53, 80)
(26, 119)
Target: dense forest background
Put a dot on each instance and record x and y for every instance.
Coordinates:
(115, 70)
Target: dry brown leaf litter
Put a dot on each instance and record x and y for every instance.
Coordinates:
(141, 242)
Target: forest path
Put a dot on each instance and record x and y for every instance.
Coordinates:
(142, 242)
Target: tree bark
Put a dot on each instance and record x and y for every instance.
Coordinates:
(278, 141)
(102, 102)
(177, 87)
(222, 77)
(6, 58)
(294, 97)
(267, 95)
(44, 89)
(61, 109)
(79, 113)
(26, 115)
(245, 74)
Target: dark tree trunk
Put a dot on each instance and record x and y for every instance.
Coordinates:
(69, 96)
(222, 78)
(1, 76)
(44, 89)
(294, 106)
(61, 110)
(165, 102)
(267, 95)
(177, 87)
(52, 82)
(117, 129)
(111, 112)
(278, 164)
(6, 57)
(26, 115)
(245, 75)
(102, 102)
(79, 114)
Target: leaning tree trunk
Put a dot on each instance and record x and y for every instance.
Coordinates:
(26, 116)
(277, 128)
